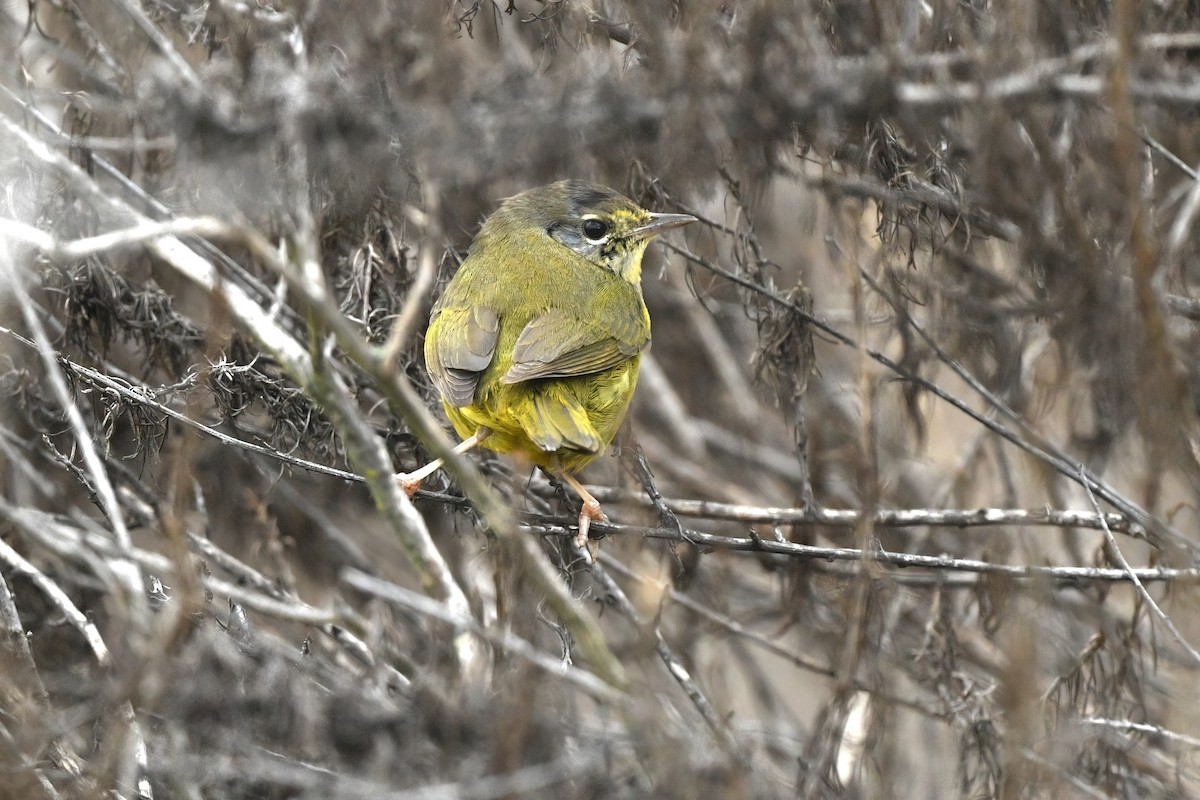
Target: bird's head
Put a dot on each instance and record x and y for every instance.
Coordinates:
(604, 227)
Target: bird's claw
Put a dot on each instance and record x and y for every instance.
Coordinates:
(590, 511)
(410, 486)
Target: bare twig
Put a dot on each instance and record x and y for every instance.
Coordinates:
(113, 241)
(720, 731)
(406, 321)
(1115, 549)
(124, 568)
(1141, 727)
(1067, 575)
(883, 517)
(405, 598)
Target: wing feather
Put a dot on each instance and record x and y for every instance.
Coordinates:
(459, 346)
(559, 345)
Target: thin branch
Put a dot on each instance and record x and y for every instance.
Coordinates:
(1037, 447)
(716, 725)
(767, 643)
(921, 193)
(406, 320)
(252, 589)
(404, 598)
(1141, 727)
(292, 777)
(726, 623)
(290, 610)
(1182, 225)
(124, 568)
(1188, 307)
(884, 517)
(151, 205)
(53, 592)
(162, 43)
(114, 241)
(1065, 774)
(1115, 549)
(1067, 575)
(1031, 440)
(18, 658)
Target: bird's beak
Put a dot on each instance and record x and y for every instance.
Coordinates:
(661, 222)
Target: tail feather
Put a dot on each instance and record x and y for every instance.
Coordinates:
(556, 420)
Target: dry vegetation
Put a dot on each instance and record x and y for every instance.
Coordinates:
(907, 506)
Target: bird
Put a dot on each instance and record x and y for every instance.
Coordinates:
(535, 343)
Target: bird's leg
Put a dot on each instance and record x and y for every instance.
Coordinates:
(590, 511)
(410, 482)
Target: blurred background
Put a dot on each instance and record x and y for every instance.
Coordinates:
(906, 505)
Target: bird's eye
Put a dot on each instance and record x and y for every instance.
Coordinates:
(594, 229)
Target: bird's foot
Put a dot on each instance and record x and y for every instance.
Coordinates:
(409, 484)
(590, 512)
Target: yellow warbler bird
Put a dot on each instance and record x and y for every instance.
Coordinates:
(535, 344)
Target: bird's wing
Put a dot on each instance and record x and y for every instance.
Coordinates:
(459, 345)
(557, 344)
